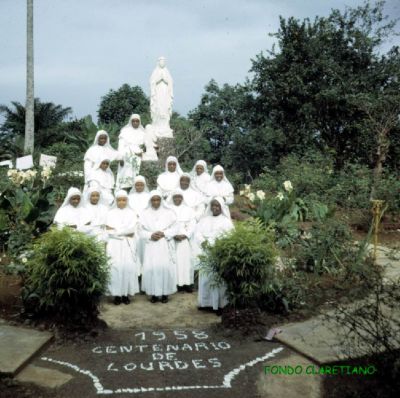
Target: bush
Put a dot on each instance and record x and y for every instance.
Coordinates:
(328, 247)
(245, 260)
(66, 276)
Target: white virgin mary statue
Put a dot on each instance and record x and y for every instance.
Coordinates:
(161, 97)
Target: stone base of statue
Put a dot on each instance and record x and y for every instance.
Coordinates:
(162, 129)
(151, 170)
(166, 147)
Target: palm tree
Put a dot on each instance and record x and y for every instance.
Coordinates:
(47, 116)
(29, 115)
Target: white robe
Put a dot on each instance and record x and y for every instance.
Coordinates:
(130, 150)
(209, 229)
(221, 188)
(124, 262)
(96, 153)
(68, 215)
(199, 182)
(159, 267)
(196, 201)
(186, 223)
(97, 215)
(105, 181)
(167, 181)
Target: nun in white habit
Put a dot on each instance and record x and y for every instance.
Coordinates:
(213, 225)
(101, 149)
(186, 223)
(139, 195)
(200, 177)
(122, 225)
(102, 176)
(157, 228)
(219, 185)
(96, 212)
(72, 212)
(169, 179)
(138, 200)
(193, 198)
(130, 147)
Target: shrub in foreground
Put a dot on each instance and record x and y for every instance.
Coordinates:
(65, 277)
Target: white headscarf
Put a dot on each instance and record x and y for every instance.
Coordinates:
(130, 134)
(224, 208)
(199, 182)
(221, 188)
(140, 179)
(192, 197)
(178, 167)
(168, 181)
(105, 178)
(157, 219)
(94, 188)
(139, 200)
(97, 151)
(122, 220)
(70, 215)
(97, 213)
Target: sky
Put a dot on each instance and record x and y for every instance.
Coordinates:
(84, 48)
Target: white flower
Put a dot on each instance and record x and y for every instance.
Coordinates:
(251, 196)
(288, 186)
(260, 195)
(280, 196)
(241, 193)
(24, 260)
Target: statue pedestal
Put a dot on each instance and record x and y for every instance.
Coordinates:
(166, 147)
(151, 170)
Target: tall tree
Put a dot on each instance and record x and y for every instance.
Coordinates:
(29, 115)
(117, 105)
(306, 87)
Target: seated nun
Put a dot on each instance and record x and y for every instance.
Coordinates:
(121, 225)
(158, 228)
(220, 186)
(169, 179)
(102, 176)
(186, 223)
(213, 225)
(72, 212)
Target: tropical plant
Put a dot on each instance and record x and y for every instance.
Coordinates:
(244, 260)
(47, 117)
(27, 208)
(65, 277)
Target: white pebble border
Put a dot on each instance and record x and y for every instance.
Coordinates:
(227, 382)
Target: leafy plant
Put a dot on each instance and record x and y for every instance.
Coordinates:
(66, 276)
(27, 208)
(244, 260)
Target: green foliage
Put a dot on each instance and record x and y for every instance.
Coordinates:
(244, 260)
(117, 105)
(47, 117)
(151, 170)
(27, 209)
(190, 143)
(66, 276)
(313, 87)
(327, 247)
(284, 211)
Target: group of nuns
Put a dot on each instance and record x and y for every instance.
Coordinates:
(152, 238)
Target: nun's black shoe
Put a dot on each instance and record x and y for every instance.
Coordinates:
(117, 300)
(153, 299)
(189, 288)
(126, 300)
(164, 299)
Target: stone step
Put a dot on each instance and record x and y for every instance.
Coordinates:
(18, 346)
